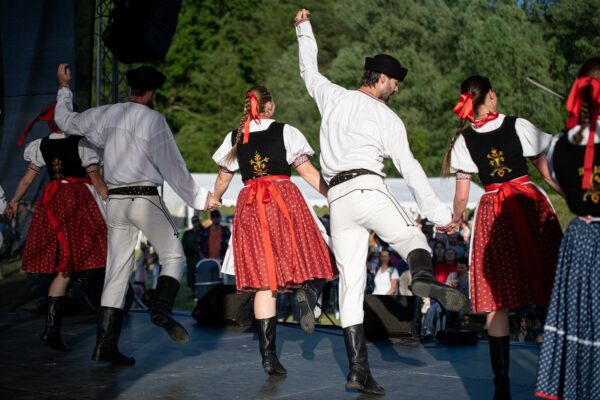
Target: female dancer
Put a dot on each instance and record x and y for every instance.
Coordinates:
(276, 242)
(516, 232)
(568, 365)
(68, 232)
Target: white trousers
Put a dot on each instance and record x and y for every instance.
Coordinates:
(126, 216)
(356, 207)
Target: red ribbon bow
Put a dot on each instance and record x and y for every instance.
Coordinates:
(254, 115)
(464, 107)
(47, 114)
(574, 103)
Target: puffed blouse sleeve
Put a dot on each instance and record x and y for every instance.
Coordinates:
(550, 157)
(297, 149)
(33, 155)
(460, 158)
(221, 154)
(89, 154)
(533, 140)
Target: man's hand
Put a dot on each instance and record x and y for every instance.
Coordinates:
(64, 75)
(451, 227)
(10, 211)
(302, 15)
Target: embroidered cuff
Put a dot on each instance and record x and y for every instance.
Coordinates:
(225, 170)
(296, 23)
(300, 160)
(537, 157)
(34, 168)
(92, 168)
(463, 176)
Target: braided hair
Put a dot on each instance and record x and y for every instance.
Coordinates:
(477, 87)
(263, 95)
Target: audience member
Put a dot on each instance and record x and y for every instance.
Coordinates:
(191, 242)
(386, 279)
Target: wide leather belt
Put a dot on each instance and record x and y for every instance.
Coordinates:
(134, 191)
(351, 174)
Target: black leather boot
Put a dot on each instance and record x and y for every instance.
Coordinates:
(424, 284)
(162, 306)
(267, 329)
(80, 283)
(359, 377)
(109, 329)
(306, 297)
(51, 335)
(500, 358)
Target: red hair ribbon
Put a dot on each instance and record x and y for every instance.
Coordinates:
(574, 103)
(464, 107)
(252, 116)
(47, 114)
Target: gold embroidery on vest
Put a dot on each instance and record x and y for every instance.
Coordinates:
(593, 193)
(497, 162)
(259, 165)
(57, 168)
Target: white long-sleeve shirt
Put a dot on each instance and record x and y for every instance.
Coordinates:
(360, 131)
(138, 145)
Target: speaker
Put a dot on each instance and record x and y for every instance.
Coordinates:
(222, 305)
(388, 316)
(141, 30)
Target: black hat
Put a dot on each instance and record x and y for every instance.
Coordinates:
(387, 65)
(145, 78)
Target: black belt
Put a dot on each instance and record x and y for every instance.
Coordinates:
(135, 191)
(347, 175)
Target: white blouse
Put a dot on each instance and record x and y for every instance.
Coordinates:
(294, 141)
(383, 280)
(88, 153)
(533, 140)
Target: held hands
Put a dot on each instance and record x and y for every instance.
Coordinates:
(212, 203)
(64, 75)
(452, 226)
(10, 211)
(302, 15)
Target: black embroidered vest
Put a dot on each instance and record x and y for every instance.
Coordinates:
(264, 154)
(62, 157)
(567, 161)
(498, 154)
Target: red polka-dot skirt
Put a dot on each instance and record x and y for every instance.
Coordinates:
(311, 259)
(81, 222)
(499, 278)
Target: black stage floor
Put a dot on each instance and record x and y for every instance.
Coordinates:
(223, 363)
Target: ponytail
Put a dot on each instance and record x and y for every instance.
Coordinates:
(232, 155)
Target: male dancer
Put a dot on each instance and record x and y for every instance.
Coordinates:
(357, 132)
(139, 154)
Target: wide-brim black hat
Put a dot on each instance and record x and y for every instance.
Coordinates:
(386, 64)
(145, 78)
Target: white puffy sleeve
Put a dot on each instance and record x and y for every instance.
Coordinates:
(550, 156)
(221, 154)
(296, 145)
(533, 140)
(89, 154)
(33, 154)
(460, 158)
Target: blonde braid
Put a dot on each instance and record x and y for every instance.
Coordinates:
(448, 156)
(232, 155)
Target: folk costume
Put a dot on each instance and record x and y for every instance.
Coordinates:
(516, 232)
(140, 154)
(276, 242)
(357, 132)
(568, 364)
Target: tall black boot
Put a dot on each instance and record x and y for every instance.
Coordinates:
(80, 283)
(424, 284)
(359, 377)
(162, 306)
(500, 357)
(109, 329)
(306, 297)
(267, 329)
(51, 335)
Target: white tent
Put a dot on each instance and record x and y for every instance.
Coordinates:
(443, 187)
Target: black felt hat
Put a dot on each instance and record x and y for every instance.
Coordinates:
(145, 78)
(387, 65)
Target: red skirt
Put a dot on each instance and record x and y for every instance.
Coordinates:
(311, 258)
(83, 227)
(499, 272)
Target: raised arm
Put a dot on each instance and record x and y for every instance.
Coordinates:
(319, 87)
(396, 144)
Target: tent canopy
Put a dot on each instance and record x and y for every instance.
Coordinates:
(443, 187)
